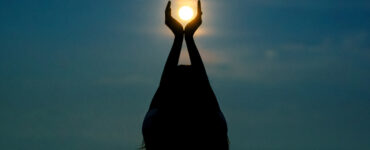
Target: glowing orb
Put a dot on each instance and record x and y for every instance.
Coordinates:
(186, 13)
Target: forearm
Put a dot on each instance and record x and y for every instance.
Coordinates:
(173, 57)
(195, 58)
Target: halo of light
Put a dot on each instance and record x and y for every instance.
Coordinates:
(186, 13)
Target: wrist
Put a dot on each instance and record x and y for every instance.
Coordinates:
(179, 36)
(189, 36)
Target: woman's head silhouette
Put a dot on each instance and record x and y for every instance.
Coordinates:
(184, 75)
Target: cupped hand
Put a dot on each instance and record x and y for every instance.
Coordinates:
(172, 23)
(192, 26)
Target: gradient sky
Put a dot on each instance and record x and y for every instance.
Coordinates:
(288, 74)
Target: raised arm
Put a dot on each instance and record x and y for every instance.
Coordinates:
(195, 58)
(178, 31)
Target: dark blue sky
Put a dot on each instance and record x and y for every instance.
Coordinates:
(288, 74)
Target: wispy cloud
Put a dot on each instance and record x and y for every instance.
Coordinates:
(287, 62)
(126, 80)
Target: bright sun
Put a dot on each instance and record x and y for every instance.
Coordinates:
(186, 13)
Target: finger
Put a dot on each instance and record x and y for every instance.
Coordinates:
(168, 7)
(199, 7)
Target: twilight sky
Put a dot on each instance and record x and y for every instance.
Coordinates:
(288, 74)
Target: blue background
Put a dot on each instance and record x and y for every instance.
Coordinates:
(288, 74)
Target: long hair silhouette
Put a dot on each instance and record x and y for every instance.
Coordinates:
(184, 112)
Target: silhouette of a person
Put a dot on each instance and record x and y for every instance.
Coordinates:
(184, 112)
